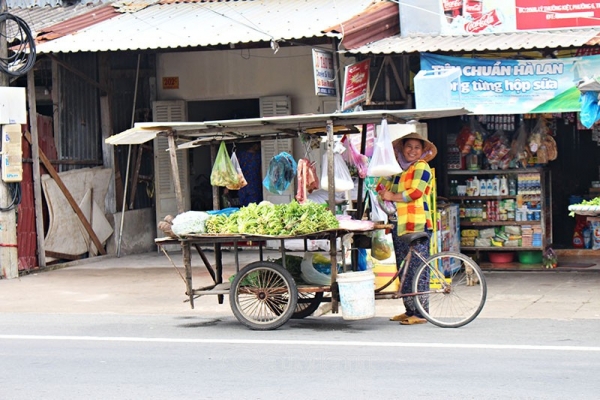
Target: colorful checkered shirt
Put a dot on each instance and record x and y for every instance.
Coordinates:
(414, 184)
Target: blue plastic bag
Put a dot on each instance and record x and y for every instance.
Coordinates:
(362, 263)
(282, 170)
(589, 108)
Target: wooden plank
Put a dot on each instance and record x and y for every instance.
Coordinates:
(69, 198)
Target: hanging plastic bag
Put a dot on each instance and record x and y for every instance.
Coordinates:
(377, 213)
(384, 161)
(381, 246)
(342, 179)
(223, 172)
(589, 108)
(282, 170)
(241, 179)
(359, 161)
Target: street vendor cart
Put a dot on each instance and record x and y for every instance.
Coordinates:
(263, 294)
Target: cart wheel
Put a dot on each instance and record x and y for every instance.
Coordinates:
(453, 287)
(307, 304)
(263, 295)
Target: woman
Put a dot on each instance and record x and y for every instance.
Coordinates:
(410, 190)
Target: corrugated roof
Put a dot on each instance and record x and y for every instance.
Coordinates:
(380, 20)
(163, 26)
(38, 18)
(482, 42)
(76, 23)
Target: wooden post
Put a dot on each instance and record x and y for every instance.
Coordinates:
(37, 182)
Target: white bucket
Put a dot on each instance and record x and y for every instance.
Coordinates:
(357, 294)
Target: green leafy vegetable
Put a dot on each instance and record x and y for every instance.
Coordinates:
(275, 219)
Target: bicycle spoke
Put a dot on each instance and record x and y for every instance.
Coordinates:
(447, 295)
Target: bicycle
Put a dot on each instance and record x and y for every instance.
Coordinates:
(448, 287)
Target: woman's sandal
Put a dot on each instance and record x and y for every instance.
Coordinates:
(400, 317)
(413, 320)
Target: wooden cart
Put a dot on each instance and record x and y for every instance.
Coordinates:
(274, 297)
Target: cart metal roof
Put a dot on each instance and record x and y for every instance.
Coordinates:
(193, 134)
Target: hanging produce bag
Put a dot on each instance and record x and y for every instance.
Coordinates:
(384, 161)
(342, 180)
(355, 159)
(241, 179)
(381, 246)
(223, 172)
(282, 170)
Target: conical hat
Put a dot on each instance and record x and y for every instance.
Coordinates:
(429, 152)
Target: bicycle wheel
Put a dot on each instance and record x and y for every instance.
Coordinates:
(307, 304)
(263, 295)
(451, 289)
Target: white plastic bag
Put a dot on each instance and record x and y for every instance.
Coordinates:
(342, 180)
(384, 161)
(190, 222)
(309, 274)
(377, 213)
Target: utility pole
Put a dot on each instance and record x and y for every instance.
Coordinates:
(9, 259)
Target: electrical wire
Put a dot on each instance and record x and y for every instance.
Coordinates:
(15, 191)
(21, 47)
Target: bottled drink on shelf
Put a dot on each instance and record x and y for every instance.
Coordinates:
(495, 186)
(503, 186)
(483, 188)
(512, 187)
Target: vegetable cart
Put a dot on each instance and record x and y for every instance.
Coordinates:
(185, 135)
(273, 297)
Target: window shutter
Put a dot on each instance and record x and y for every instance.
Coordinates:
(166, 200)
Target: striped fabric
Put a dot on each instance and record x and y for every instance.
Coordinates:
(414, 214)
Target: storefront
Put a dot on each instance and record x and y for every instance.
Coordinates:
(512, 67)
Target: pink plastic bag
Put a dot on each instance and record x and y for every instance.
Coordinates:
(354, 158)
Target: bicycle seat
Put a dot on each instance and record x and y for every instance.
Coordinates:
(408, 238)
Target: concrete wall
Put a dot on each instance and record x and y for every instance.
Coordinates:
(243, 74)
(139, 230)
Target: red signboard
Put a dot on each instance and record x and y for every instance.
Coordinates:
(356, 84)
(548, 14)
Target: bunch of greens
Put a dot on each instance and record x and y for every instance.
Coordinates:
(275, 219)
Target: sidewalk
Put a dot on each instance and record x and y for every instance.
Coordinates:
(150, 284)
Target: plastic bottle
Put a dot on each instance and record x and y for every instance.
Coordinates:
(495, 186)
(483, 188)
(462, 212)
(503, 186)
(479, 209)
(490, 188)
(484, 211)
(475, 186)
(512, 187)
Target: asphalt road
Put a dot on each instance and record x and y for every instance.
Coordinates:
(91, 356)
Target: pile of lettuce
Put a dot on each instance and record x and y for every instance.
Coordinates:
(266, 218)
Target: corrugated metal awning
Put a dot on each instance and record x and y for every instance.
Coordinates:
(191, 134)
(483, 42)
(197, 24)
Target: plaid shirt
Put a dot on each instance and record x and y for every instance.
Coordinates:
(414, 184)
